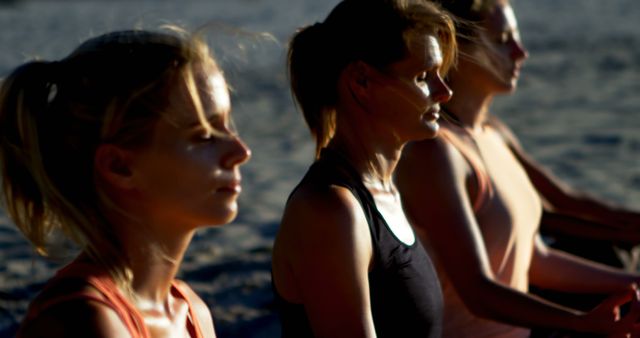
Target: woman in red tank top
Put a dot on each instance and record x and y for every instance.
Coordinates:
(126, 147)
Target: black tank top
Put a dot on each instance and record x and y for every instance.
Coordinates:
(406, 299)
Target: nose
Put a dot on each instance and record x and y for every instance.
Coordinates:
(440, 91)
(518, 51)
(237, 154)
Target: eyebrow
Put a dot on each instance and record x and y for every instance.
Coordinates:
(210, 119)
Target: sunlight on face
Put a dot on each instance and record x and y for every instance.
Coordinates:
(217, 105)
(500, 52)
(510, 22)
(429, 48)
(411, 90)
(204, 101)
(190, 172)
(219, 92)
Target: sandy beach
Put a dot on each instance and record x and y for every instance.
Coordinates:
(577, 111)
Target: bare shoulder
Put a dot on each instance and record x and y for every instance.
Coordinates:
(432, 174)
(425, 151)
(322, 256)
(322, 219)
(201, 309)
(437, 157)
(75, 317)
(504, 131)
(329, 211)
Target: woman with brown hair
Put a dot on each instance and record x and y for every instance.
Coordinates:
(346, 262)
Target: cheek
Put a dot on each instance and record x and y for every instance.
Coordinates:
(409, 96)
(179, 171)
(498, 58)
(197, 166)
(490, 63)
(418, 97)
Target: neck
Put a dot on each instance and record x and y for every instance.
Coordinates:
(154, 259)
(469, 105)
(155, 268)
(372, 156)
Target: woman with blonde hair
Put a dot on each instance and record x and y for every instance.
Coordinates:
(477, 210)
(346, 262)
(125, 147)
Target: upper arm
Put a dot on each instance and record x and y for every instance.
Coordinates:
(75, 318)
(329, 251)
(432, 178)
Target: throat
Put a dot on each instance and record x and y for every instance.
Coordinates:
(471, 122)
(380, 188)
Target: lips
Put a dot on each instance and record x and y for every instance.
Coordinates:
(432, 114)
(516, 71)
(233, 187)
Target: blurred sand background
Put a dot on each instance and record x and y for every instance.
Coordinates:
(577, 111)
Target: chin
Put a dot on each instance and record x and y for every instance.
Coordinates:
(433, 129)
(230, 215)
(506, 88)
(511, 85)
(429, 130)
(429, 133)
(223, 215)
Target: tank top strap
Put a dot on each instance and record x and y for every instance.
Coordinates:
(338, 170)
(195, 324)
(484, 186)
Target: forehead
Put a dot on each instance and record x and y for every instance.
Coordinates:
(502, 18)
(207, 88)
(424, 52)
(216, 93)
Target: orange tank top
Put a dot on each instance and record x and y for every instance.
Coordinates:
(102, 282)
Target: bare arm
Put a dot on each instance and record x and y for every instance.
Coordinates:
(431, 177)
(557, 223)
(325, 237)
(624, 225)
(578, 274)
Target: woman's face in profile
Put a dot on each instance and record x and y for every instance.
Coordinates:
(500, 51)
(190, 169)
(408, 93)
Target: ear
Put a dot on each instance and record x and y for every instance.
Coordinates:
(358, 80)
(113, 165)
(359, 73)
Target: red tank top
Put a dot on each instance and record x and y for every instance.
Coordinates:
(102, 282)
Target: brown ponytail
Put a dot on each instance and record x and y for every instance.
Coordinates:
(23, 99)
(312, 77)
(36, 168)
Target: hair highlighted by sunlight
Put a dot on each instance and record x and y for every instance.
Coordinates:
(376, 32)
(54, 115)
